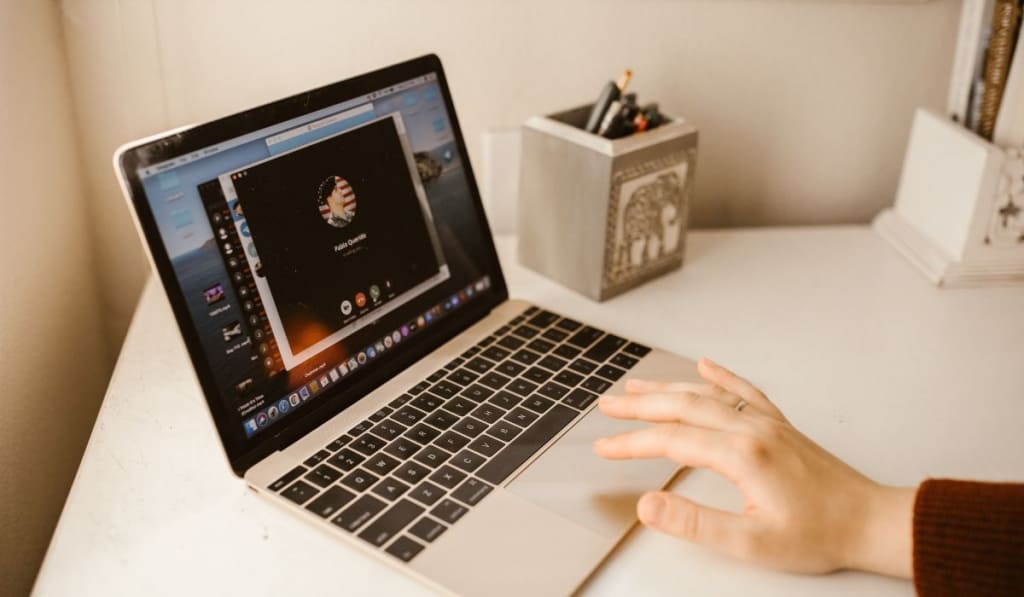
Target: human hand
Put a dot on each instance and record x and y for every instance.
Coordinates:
(804, 509)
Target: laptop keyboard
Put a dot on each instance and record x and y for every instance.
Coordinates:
(401, 477)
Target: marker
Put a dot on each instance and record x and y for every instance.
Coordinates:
(611, 92)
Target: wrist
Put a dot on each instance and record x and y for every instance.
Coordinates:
(883, 541)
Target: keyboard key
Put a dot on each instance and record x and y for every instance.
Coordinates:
(412, 472)
(522, 387)
(472, 352)
(472, 491)
(467, 461)
(579, 398)
(502, 330)
(380, 414)
(300, 492)
(567, 351)
(391, 522)
(445, 389)
(569, 325)
(422, 433)
(323, 475)
(538, 404)
(537, 375)
(543, 319)
(449, 510)
(553, 390)
(436, 376)
(637, 350)
(462, 377)
(605, 348)
(451, 441)
(402, 448)
(470, 427)
(522, 448)
(404, 549)
(330, 501)
(362, 427)
(510, 368)
(287, 478)
(517, 320)
(456, 362)
(408, 415)
(568, 378)
(427, 529)
(521, 417)
(431, 456)
(401, 400)
(525, 331)
(495, 353)
(555, 335)
(486, 445)
(625, 361)
(426, 402)
(486, 341)
(597, 385)
(459, 405)
(447, 476)
(480, 365)
(526, 357)
(477, 393)
(389, 488)
(611, 372)
(360, 511)
(388, 429)
(583, 366)
(419, 388)
(505, 400)
(339, 443)
(511, 342)
(317, 458)
(540, 345)
(426, 493)
(494, 380)
(441, 419)
(367, 444)
(504, 430)
(553, 363)
(488, 412)
(346, 460)
(381, 464)
(585, 337)
(359, 480)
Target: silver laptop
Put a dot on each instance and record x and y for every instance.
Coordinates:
(331, 270)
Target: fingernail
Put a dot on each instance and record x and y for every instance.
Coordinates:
(650, 508)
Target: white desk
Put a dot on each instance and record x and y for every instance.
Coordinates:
(898, 378)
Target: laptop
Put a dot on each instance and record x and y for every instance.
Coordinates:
(330, 267)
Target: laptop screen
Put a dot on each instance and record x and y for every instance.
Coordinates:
(307, 252)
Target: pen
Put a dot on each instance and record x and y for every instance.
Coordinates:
(611, 92)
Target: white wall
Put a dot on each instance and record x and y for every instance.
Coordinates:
(804, 107)
(53, 364)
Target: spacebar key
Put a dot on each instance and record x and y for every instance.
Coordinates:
(519, 451)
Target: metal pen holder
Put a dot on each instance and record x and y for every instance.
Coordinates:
(603, 216)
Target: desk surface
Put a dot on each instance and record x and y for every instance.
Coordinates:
(898, 378)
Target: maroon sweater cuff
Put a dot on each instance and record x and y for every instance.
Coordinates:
(969, 538)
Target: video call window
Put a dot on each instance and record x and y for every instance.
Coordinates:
(341, 229)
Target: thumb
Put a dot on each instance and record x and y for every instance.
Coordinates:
(678, 516)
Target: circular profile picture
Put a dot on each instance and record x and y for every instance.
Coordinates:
(337, 201)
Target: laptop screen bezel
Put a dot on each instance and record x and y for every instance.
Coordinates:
(243, 453)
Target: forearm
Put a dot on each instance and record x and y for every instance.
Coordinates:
(882, 540)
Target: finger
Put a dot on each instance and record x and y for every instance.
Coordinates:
(680, 517)
(644, 386)
(718, 375)
(684, 407)
(687, 445)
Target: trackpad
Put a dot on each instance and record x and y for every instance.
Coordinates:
(587, 489)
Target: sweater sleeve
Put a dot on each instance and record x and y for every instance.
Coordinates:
(969, 538)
